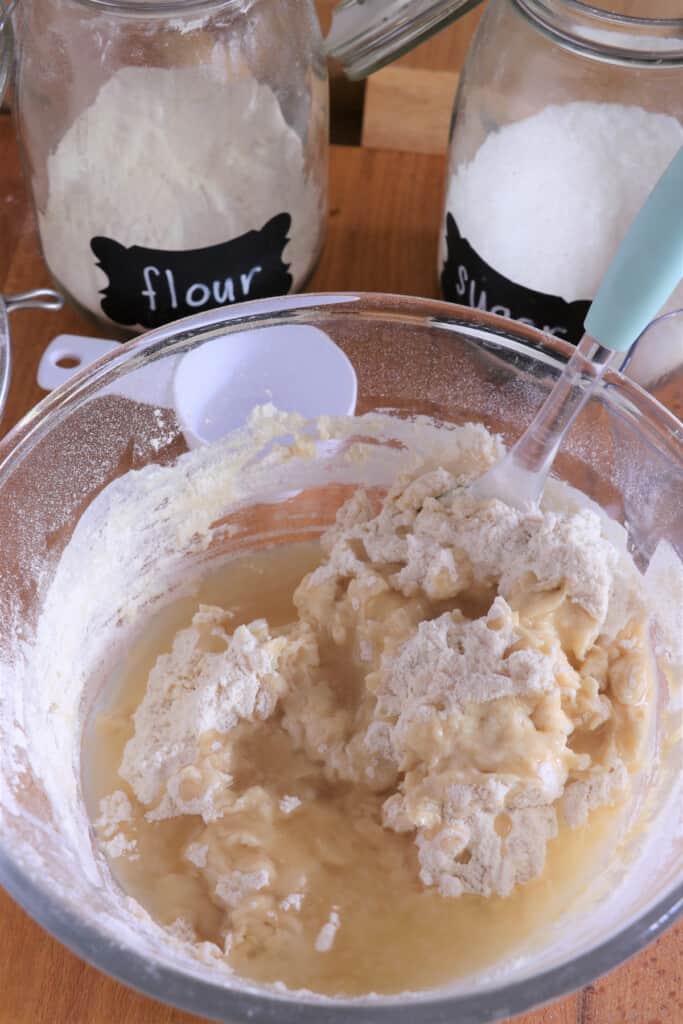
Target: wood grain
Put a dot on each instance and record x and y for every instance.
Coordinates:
(384, 218)
(409, 109)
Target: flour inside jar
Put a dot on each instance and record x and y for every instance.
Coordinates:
(381, 762)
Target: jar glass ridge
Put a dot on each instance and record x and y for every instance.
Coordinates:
(609, 35)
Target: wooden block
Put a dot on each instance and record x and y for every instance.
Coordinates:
(446, 49)
(385, 215)
(409, 109)
(325, 9)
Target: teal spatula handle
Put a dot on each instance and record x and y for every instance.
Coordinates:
(646, 269)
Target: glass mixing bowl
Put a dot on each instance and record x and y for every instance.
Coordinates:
(410, 356)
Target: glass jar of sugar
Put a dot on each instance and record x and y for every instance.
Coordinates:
(176, 151)
(565, 116)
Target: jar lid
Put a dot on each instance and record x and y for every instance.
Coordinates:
(367, 34)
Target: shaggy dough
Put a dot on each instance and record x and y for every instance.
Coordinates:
(462, 674)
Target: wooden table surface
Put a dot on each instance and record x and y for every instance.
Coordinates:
(384, 215)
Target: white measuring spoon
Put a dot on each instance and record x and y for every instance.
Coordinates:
(641, 277)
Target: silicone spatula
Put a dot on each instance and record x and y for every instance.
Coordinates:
(644, 272)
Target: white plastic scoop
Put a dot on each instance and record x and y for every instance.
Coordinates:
(643, 274)
(296, 367)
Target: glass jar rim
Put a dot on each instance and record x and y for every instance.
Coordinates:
(154, 8)
(365, 37)
(605, 35)
(602, 14)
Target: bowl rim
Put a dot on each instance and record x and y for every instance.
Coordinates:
(196, 994)
(547, 348)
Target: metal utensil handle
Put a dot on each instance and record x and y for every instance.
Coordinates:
(6, 13)
(5, 356)
(37, 298)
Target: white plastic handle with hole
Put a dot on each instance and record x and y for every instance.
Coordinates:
(149, 384)
(78, 350)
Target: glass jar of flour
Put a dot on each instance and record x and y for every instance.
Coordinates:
(176, 151)
(565, 116)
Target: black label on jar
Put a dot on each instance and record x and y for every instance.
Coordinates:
(151, 287)
(468, 280)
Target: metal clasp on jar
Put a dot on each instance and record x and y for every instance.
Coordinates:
(37, 298)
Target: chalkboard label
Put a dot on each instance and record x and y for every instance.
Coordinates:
(468, 280)
(151, 287)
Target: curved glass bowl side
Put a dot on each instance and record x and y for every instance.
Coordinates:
(411, 356)
(233, 1007)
